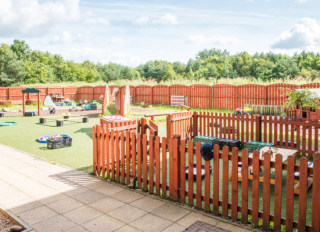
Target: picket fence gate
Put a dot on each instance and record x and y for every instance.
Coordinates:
(159, 166)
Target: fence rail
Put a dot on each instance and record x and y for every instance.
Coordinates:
(284, 132)
(159, 166)
(220, 96)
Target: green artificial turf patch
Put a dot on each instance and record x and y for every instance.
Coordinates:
(23, 136)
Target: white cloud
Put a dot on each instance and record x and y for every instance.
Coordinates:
(65, 37)
(141, 20)
(35, 17)
(303, 35)
(99, 20)
(116, 40)
(211, 40)
(104, 56)
(167, 19)
(304, 1)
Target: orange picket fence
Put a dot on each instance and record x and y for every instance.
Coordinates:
(174, 168)
(299, 134)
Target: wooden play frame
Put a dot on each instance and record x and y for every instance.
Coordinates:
(30, 90)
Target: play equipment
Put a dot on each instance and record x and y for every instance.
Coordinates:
(48, 101)
(59, 141)
(117, 121)
(7, 123)
(64, 117)
(43, 139)
(105, 98)
(28, 91)
(122, 99)
(242, 111)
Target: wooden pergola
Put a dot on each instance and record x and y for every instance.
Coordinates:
(30, 90)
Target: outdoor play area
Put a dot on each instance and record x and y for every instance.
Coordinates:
(258, 168)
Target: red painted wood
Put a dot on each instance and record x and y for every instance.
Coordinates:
(198, 176)
(215, 179)
(225, 181)
(164, 166)
(234, 205)
(244, 174)
(190, 174)
(266, 191)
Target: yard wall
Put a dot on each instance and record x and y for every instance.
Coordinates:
(220, 96)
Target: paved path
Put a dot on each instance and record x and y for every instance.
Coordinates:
(51, 197)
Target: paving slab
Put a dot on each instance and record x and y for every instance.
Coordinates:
(151, 222)
(64, 205)
(54, 224)
(170, 212)
(103, 224)
(51, 197)
(127, 213)
(106, 204)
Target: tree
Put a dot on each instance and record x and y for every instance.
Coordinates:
(12, 70)
(303, 98)
(21, 49)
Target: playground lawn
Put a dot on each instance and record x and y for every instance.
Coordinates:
(23, 136)
(79, 156)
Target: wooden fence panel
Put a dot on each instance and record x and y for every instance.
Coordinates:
(224, 96)
(160, 94)
(144, 94)
(86, 93)
(4, 93)
(200, 96)
(207, 190)
(220, 96)
(98, 92)
(251, 94)
(71, 92)
(277, 93)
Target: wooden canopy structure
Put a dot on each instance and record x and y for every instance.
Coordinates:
(30, 90)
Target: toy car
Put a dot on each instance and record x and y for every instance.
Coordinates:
(242, 111)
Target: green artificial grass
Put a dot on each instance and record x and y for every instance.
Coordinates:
(23, 137)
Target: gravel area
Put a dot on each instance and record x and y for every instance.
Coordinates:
(5, 222)
(61, 110)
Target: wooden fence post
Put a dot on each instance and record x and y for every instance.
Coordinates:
(258, 127)
(195, 124)
(169, 126)
(175, 170)
(143, 126)
(152, 95)
(211, 97)
(121, 101)
(315, 192)
(169, 95)
(8, 94)
(94, 142)
(24, 103)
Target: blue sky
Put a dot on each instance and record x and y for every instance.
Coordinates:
(133, 32)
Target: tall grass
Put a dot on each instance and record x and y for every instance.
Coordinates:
(235, 81)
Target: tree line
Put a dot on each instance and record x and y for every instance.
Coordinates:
(19, 64)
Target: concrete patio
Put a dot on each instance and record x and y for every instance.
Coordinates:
(51, 197)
